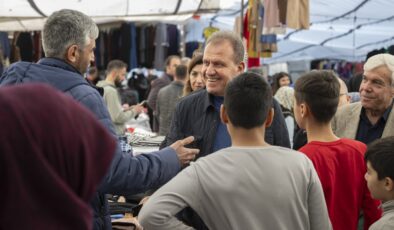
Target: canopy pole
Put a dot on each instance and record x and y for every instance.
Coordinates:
(354, 36)
(242, 19)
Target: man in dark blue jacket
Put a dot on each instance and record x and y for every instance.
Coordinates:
(198, 113)
(68, 42)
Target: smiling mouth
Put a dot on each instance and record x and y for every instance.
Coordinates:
(212, 79)
(365, 97)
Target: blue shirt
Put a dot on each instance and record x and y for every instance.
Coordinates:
(222, 138)
(367, 132)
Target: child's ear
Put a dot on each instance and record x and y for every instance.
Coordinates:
(388, 184)
(223, 114)
(304, 110)
(270, 118)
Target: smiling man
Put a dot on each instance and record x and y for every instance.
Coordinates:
(371, 118)
(198, 113)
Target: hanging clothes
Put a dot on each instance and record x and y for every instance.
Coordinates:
(124, 43)
(5, 44)
(271, 14)
(191, 47)
(141, 41)
(209, 31)
(298, 14)
(194, 30)
(37, 47)
(161, 46)
(133, 61)
(150, 45)
(173, 40)
(252, 61)
(25, 44)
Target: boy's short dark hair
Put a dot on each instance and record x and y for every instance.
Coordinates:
(247, 99)
(319, 89)
(380, 155)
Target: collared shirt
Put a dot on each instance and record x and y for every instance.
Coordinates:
(367, 132)
(222, 138)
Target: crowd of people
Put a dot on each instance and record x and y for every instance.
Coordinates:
(226, 161)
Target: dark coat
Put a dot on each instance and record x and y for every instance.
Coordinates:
(127, 174)
(195, 115)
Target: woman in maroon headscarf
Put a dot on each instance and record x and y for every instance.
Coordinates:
(53, 155)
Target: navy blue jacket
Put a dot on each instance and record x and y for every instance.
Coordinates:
(195, 115)
(127, 174)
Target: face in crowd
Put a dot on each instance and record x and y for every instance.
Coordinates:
(120, 76)
(219, 66)
(376, 91)
(284, 81)
(196, 78)
(170, 68)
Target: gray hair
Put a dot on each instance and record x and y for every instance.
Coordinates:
(65, 28)
(234, 39)
(381, 60)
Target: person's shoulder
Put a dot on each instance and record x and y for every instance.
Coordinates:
(166, 89)
(344, 110)
(83, 90)
(355, 145)
(16, 72)
(194, 97)
(384, 223)
(163, 80)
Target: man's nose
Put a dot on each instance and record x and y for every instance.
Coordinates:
(210, 70)
(366, 86)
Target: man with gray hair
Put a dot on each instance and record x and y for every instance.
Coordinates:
(371, 118)
(68, 42)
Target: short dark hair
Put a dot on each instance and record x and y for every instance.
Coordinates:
(319, 89)
(380, 154)
(247, 99)
(116, 64)
(181, 72)
(167, 62)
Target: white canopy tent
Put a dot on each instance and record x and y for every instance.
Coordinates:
(27, 15)
(340, 29)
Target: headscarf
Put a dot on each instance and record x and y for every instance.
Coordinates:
(285, 97)
(53, 155)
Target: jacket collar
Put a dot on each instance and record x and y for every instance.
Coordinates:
(385, 115)
(208, 100)
(58, 63)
